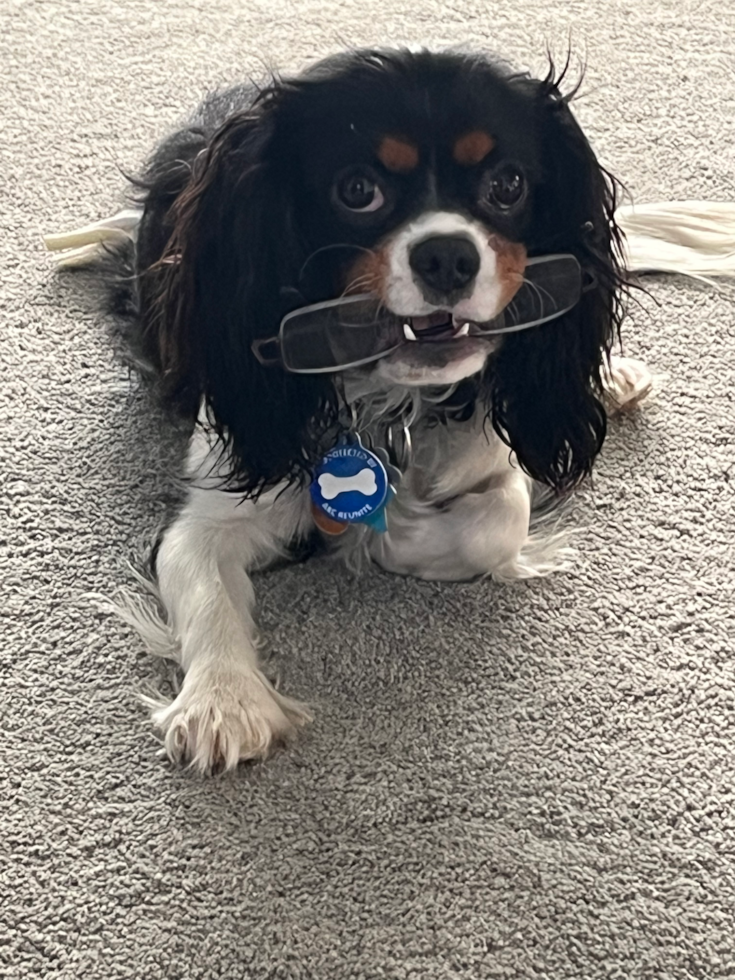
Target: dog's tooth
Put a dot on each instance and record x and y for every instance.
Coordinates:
(463, 330)
(408, 332)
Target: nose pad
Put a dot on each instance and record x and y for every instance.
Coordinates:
(445, 263)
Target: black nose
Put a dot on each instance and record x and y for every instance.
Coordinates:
(445, 263)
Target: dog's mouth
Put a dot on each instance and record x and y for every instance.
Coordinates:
(436, 326)
(439, 326)
(355, 330)
(437, 348)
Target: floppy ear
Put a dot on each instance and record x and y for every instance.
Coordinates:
(545, 387)
(217, 287)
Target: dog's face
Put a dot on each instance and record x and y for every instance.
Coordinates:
(422, 188)
(427, 179)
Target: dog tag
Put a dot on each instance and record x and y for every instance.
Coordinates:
(350, 486)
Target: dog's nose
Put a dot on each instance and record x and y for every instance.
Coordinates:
(445, 263)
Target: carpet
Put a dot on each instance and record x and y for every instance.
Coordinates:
(503, 781)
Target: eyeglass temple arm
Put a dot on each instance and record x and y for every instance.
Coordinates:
(259, 349)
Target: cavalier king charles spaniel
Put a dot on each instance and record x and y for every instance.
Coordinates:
(398, 276)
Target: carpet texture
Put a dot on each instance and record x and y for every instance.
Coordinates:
(503, 781)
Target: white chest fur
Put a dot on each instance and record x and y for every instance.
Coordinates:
(461, 511)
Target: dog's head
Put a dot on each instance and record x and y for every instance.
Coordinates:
(428, 179)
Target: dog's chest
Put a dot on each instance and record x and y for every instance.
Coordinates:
(451, 459)
(447, 462)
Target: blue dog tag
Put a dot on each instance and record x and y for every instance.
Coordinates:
(350, 486)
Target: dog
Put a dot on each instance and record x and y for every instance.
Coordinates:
(430, 194)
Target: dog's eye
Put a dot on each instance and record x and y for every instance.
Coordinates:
(359, 192)
(504, 188)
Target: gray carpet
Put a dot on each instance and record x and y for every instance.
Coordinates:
(520, 781)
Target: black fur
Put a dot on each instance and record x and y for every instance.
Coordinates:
(237, 202)
(544, 387)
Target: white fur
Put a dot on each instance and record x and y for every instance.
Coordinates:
(418, 366)
(404, 297)
(627, 382)
(86, 245)
(227, 710)
(693, 238)
(462, 510)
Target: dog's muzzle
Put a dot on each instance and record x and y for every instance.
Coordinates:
(355, 330)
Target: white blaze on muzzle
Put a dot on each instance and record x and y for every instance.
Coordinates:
(403, 294)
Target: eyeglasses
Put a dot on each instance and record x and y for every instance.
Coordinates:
(355, 330)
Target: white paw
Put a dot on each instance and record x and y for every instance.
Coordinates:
(627, 382)
(222, 717)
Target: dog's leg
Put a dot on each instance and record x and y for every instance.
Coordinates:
(226, 710)
(467, 536)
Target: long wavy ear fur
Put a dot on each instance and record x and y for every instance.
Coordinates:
(215, 287)
(544, 387)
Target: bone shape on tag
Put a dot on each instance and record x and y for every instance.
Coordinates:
(364, 482)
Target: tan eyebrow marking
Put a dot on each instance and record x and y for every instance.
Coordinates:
(398, 155)
(472, 147)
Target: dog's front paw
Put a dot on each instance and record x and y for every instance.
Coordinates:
(222, 717)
